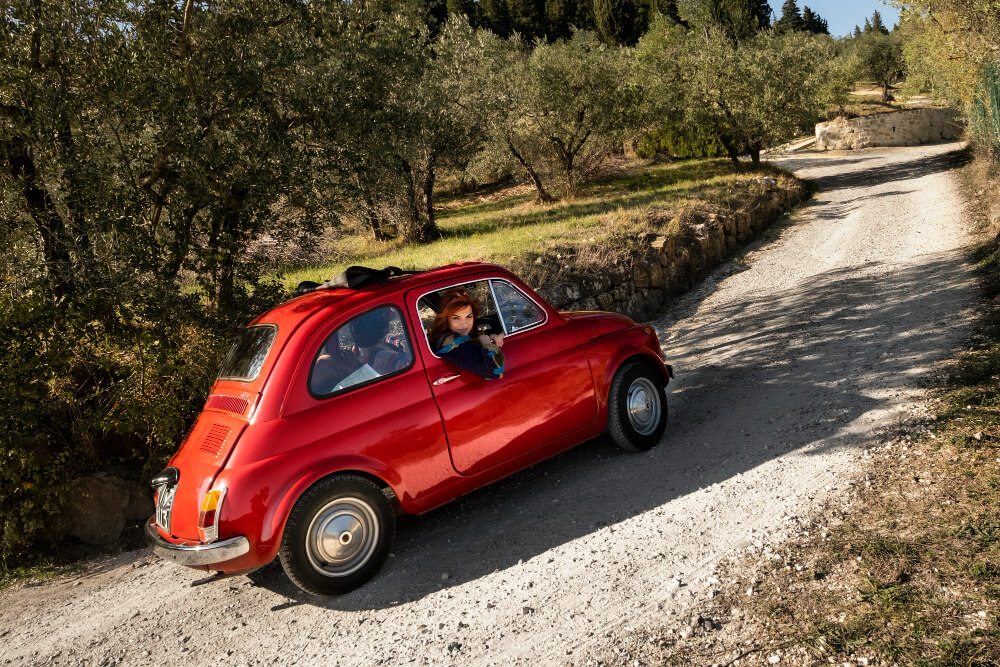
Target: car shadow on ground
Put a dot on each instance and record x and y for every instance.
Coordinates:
(806, 364)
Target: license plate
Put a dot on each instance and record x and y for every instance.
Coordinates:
(164, 504)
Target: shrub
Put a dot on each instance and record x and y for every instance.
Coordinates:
(695, 142)
(80, 393)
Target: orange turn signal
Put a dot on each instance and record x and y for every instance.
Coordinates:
(208, 517)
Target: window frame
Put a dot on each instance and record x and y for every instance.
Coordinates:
(225, 362)
(503, 324)
(312, 364)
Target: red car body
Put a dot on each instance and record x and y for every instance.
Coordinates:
(428, 433)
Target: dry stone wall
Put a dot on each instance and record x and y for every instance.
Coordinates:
(909, 127)
(666, 264)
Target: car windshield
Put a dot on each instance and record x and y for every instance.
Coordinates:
(248, 353)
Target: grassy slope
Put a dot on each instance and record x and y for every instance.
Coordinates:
(508, 228)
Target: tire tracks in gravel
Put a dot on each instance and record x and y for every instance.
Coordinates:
(789, 361)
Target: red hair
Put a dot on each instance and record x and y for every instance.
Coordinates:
(452, 302)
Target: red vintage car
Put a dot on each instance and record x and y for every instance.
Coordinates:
(305, 453)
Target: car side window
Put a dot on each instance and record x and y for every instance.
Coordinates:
(517, 311)
(363, 349)
(480, 290)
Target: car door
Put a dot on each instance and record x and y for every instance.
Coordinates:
(546, 390)
(360, 398)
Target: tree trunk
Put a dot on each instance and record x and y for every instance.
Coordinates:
(754, 156)
(734, 155)
(374, 224)
(227, 260)
(181, 243)
(430, 225)
(543, 196)
(50, 225)
(885, 92)
(411, 228)
(570, 185)
(79, 235)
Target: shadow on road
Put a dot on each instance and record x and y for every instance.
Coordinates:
(805, 369)
(878, 175)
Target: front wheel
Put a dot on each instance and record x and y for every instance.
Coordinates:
(637, 407)
(337, 536)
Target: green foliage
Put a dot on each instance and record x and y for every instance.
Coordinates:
(934, 63)
(76, 396)
(984, 119)
(577, 93)
(750, 94)
(806, 21)
(735, 19)
(791, 18)
(145, 147)
(681, 142)
(619, 22)
(466, 8)
(879, 57)
(528, 18)
(949, 45)
(876, 24)
(814, 23)
(494, 15)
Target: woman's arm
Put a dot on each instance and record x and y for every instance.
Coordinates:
(486, 361)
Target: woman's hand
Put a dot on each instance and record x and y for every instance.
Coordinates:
(496, 339)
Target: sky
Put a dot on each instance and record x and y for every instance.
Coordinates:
(843, 15)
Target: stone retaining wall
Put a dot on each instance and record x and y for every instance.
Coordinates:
(663, 265)
(909, 127)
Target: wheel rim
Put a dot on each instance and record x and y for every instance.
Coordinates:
(342, 537)
(642, 403)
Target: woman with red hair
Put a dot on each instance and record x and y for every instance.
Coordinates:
(454, 338)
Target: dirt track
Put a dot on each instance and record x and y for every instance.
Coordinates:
(788, 363)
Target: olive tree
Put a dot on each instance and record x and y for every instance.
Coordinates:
(879, 57)
(751, 94)
(577, 92)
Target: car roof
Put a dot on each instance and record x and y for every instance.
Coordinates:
(296, 310)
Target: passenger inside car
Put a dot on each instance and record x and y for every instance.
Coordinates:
(456, 337)
(369, 346)
(375, 346)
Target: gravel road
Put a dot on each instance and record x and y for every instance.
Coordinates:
(790, 360)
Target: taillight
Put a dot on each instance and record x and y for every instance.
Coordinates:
(208, 517)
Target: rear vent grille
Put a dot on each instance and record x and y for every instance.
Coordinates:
(230, 403)
(215, 439)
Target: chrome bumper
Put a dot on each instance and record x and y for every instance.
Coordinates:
(195, 554)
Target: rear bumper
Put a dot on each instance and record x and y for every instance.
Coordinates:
(195, 555)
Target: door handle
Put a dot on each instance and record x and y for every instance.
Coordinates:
(446, 379)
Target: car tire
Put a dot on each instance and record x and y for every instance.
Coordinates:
(637, 407)
(337, 536)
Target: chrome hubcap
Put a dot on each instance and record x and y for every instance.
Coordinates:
(643, 405)
(342, 536)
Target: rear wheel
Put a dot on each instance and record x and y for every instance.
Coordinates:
(637, 407)
(338, 535)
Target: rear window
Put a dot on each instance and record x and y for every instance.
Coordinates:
(248, 353)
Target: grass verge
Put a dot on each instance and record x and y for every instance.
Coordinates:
(508, 228)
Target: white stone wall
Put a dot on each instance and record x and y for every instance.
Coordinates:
(909, 127)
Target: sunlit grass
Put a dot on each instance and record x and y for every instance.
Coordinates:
(508, 226)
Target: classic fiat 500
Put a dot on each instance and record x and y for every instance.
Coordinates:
(334, 412)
